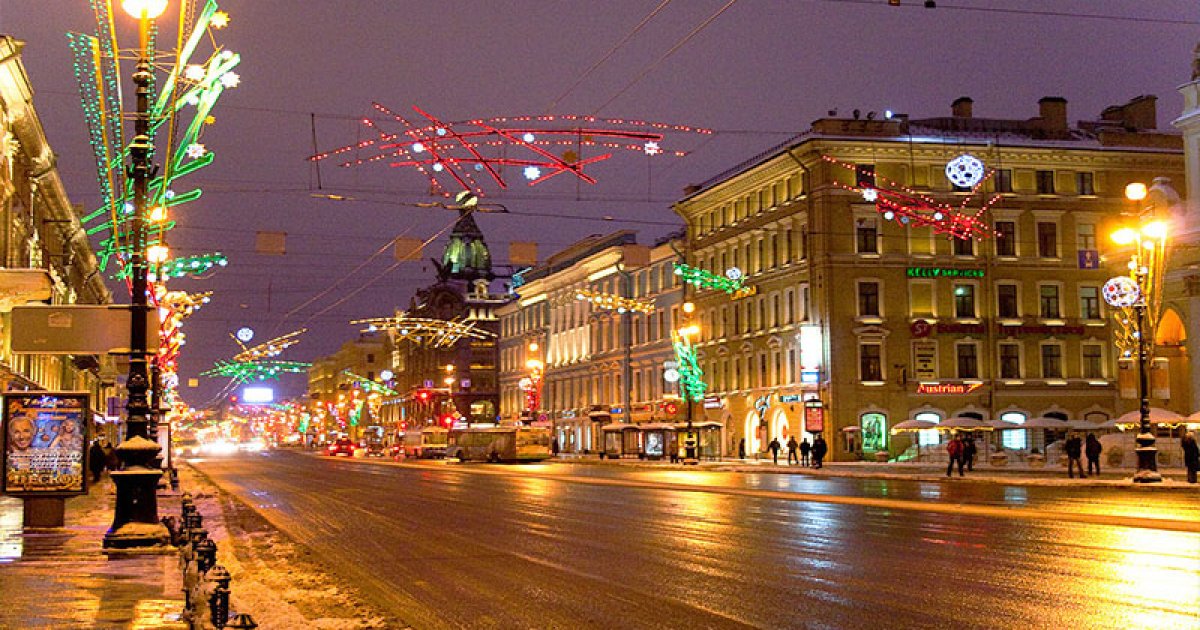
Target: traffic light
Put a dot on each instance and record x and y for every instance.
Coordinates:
(423, 396)
(447, 420)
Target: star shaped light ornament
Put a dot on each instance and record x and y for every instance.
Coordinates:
(230, 79)
(652, 148)
(196, 150)
(194, 72)
(532, 172)
(220, 19)
(870, 194)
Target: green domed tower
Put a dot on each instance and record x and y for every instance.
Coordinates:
(466, 256)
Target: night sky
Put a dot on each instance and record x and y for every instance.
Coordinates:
(758, 71)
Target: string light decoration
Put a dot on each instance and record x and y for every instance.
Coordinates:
(896, 202)
(267, 349)
(173, 307)
(245, 372)
(189, 90)
(190, 265)
(610, 302)
(540, 147)
(691, 383)
(368, 385)
(434, 333)
(731, 283)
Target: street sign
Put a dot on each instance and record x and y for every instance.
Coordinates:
(77, 329)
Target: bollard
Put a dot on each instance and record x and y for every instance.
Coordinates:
(198, 534)
(241, 622)
(206, 554)
(218, 603)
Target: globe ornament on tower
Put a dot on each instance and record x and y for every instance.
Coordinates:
(1121, 292)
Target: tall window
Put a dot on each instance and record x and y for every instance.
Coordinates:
(964, 300)
(1085, 183)
(1093, 361)
(868, 236)
(1010, 360)
(870, 361)
(868, 299)
(968, 360)
(1006, 301)
(1006, 238)
(1052, 361)
(1004, 180)
(1047, 235)
(1045, 182)
(1089, 302)
(1085, 236)
(1049, 301)
(864, 175)
(964, 246)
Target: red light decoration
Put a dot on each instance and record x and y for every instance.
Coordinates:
(440, 149)
(908, 207)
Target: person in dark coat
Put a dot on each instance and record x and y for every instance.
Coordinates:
(819, 449)
(969, 451)
(111, 461)
(774, 447)
(1092, 450)
(1191, 455)
(96, 460)
(1074, 450)
(793, 458)
(742, 448)
(805, 449)
(954, 450)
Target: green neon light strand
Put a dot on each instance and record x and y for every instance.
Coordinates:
(708, 280)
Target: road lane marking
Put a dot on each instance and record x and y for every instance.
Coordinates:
(962, 509)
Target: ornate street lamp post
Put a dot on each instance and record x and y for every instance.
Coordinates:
(135, 518)
(1136, 292)
(691, 388)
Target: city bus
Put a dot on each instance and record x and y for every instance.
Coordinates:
(426, 442)
(500, 444)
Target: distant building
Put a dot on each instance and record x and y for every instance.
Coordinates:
(861, 321)
(45, 257)
(334, 402)
(600, 365)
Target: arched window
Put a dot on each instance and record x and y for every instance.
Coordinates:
(1014, 438)
(928, 437)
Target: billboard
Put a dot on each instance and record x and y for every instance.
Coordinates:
(45, 440)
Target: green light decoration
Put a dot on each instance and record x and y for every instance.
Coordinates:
(191, 265)
(691, 387)
(247, 371)
(187, 85)
(369, 386)
(731, 283)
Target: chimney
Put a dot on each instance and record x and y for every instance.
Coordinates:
(1053, 112)
(961, 107)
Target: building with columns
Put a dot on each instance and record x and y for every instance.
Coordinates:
(859, 320)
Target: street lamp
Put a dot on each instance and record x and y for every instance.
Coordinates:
(1136, 291)
(533, 393)
(135, 516)
(691, 387)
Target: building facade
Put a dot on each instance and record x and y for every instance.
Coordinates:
(336, 399)
(600, 364)
(859, 320)
(45, 256)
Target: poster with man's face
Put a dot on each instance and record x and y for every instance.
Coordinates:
(44, 442)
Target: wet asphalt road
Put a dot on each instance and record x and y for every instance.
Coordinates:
(572, 546)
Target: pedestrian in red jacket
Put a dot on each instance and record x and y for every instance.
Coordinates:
(954, 448)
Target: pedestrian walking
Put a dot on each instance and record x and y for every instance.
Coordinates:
(969, 451)
(1191, 455)
(805, 449)
(818, 450)
(774, 447)
(954, 450)
(742, 448)
(96, 460)
(1092, 450)
(554, 446)
(111, 461)
(792, 447)
(1074, 450)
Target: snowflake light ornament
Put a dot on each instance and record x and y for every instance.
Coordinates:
(532, 172)
(194, 72)
(965, 171)
(196, 150)
(652, 148)
(230, 79)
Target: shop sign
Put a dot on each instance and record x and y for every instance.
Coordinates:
(920, 328)
(567, 415)
(45, 444)
(790, 398)
(712, 402)
(949, 389)
(1089, 259)
(1042, 330)
(943, 272)
(924, 360)
(814, 416)
(970, 329)
(616, 410)
(810, 377)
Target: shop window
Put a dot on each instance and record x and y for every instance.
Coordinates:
(1016, 439)
(874, 429)
(928, 437)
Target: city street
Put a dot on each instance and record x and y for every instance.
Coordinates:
(563, 545)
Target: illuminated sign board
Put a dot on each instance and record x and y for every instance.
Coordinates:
(949, 389)
(44, 445)
(258, 395)
(943, 272)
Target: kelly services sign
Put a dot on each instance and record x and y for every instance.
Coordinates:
(45, 443)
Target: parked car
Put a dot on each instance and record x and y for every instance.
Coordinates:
(340, 447)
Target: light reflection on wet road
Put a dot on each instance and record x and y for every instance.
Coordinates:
(443, 547)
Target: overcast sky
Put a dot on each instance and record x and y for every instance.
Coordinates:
(753, 71)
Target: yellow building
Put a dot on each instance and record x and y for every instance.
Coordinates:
(861, 319)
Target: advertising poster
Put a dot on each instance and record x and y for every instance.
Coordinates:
(814, 416)
(44, 443)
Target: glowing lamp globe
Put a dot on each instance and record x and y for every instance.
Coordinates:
(148, 9)
(1155, 229)
(1121, 292)
(1135, 191)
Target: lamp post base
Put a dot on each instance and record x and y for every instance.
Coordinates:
(135, 521)
(1147, 459)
